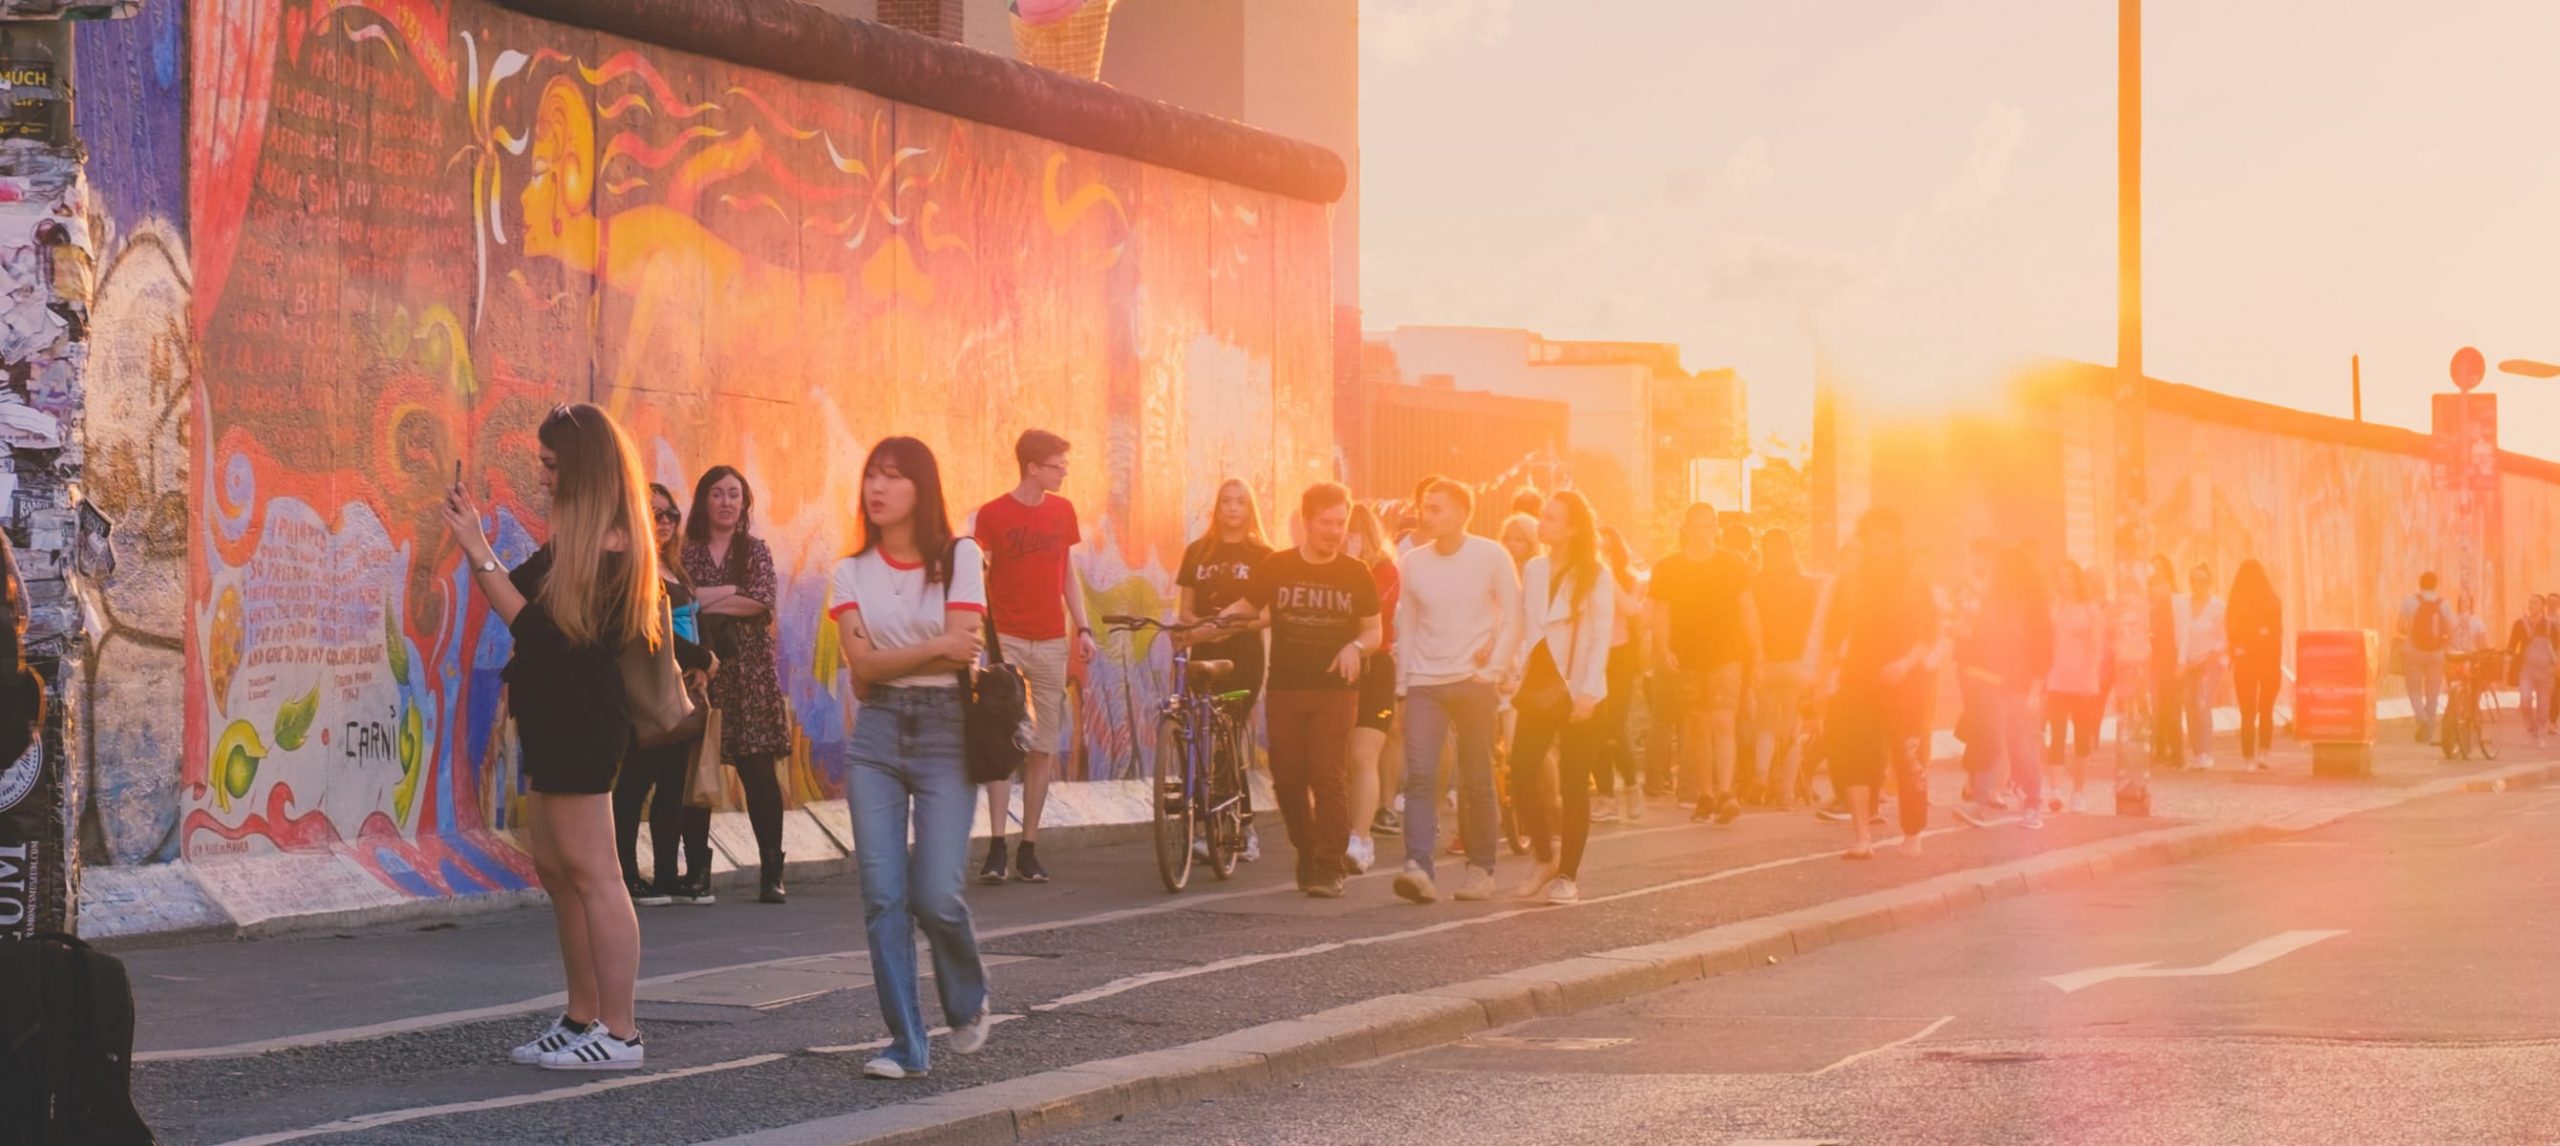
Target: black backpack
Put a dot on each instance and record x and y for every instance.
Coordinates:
(66, 1046)
(995, 704)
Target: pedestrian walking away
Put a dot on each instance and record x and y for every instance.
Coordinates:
(1567, 602)
(2168, 637)
(2420, 640)
(1706, 634)
(1373, 771)
(572, 607)
(2203, 654)
(1216, 567)
(1880, 633)
(2533, 657)
(2254, 622)
(1036, 602)
(654, 776)
(1786, 597)
(2013, 643)
(2075, 690)
(1322, 610)
(734, 583)
(1458, 621)
(908, 609)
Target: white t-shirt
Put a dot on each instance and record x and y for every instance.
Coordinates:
(898, 609)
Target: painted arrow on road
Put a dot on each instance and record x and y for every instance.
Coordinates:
(2261, 952)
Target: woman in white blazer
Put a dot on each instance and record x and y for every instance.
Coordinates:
(1568, 603)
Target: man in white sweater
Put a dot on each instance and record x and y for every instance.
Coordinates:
(1457, 632)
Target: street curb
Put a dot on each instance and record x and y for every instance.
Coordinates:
(1088, 1094)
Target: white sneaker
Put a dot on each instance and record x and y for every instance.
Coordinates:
(1562, 891)
(554, 1037)
(1360, 856)
(1633, 805)
(599, 1050)
(1414, 884)
(888, 1068)
(1604, 811)
(1200, 847)
(1478, 885)
(971, 1037)
(1974, 814)
(1252, 846)
(2204, 762)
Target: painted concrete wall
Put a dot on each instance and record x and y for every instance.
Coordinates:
(410, 228)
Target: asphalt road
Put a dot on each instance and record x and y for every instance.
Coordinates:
(779, 1009)
(2388, 979)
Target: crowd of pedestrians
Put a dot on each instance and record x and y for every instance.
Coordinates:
(1404, 670)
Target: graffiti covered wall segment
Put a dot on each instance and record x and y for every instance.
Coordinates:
(417, 226)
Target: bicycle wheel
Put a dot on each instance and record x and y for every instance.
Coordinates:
(2484, 726)
(2451, 736)
(1226, 805)
(1175, 816)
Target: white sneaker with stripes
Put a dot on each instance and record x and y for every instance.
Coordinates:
(557, 1036)
(598, 1050)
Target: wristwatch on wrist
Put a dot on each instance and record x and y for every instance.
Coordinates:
(487, 565)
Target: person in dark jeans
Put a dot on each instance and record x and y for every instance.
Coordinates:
(1322, 610)
(661, 769)
(1881, 630)
(2254, 621)
(2168, 699)
(1616, 771)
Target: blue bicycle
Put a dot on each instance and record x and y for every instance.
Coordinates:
(1197, 785)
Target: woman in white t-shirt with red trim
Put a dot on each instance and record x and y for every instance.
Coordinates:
(908, 608)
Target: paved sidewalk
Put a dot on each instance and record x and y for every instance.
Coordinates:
(759, 1017)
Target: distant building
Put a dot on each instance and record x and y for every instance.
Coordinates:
(1638, 418)
(1435, 428)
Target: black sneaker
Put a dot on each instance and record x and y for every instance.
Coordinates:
(1026, 865)
(1386, 823)
(1727, 810)
(645, 893)
(1327, 888)
(769, 888)
(992, 871)
(695, 891)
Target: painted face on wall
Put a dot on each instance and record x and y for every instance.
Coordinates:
(888, 497)
(728, 503)
(558, 222)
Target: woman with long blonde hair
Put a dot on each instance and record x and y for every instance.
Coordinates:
(572, 607)
(1568, 604)
(1374, 771)
(1215, 569)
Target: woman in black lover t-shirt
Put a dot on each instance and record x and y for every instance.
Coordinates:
(571, 608)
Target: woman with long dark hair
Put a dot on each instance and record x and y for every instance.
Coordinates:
(654, 776)
(2254, 624)
(572, 607)
(909, 608)
(733, 579)
(1568, 604)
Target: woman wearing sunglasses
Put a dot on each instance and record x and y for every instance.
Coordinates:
(661, 768)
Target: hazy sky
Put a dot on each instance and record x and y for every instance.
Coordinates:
(1926, 188)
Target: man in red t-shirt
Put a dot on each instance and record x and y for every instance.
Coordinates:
(1029, 536)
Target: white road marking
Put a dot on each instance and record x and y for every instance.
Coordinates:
(1533, 1042)
(1896, 1044)
(395, 1117)
(557, 1000)
(2261, 952)
(1128, 983)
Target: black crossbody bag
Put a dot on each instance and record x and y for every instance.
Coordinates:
(995, 707)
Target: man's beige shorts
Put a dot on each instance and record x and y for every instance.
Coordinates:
(1044, 665)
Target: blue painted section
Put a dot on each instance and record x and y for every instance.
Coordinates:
(131, 78)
